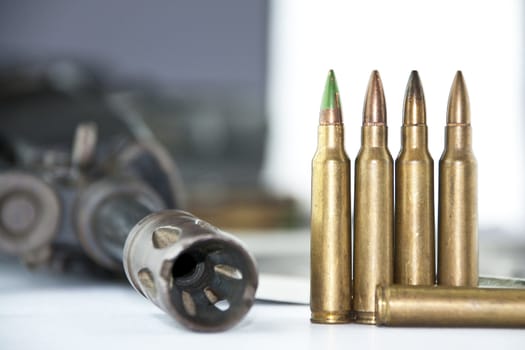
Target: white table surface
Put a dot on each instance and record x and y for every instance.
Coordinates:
(42, 310)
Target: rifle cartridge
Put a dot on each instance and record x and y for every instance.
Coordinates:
(457, 213)
(414, 218)
(374, 206)
(330, 249)
(450, 306)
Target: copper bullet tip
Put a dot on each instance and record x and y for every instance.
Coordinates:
(374, 112)
(414, 106)
(458, 111)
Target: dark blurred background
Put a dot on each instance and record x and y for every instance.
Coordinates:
(193, 71)
(186, 44)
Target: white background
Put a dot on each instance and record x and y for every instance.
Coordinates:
(484, 39)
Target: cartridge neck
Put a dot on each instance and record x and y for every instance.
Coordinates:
(414, 136)
(374, 135)
(458, 137)
(330, 136)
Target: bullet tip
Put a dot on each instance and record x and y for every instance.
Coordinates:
(414, 106)
(331, 104)
(458, 111)
(374, 112)
(331, 93)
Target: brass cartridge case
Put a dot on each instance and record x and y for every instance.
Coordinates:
(374, 207)
(450, 306)
(414, 258)
(457, 213)
(330, 249)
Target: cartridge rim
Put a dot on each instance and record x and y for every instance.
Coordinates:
(381, 306)
(331, 317)
(365, 317)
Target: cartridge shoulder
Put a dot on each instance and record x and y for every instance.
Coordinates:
(326, 154)
(374, 154)
(465, 156)
(412, 155)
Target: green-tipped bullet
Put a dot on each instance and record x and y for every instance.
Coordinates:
(331, 93)
(330, 249)
(330, 105)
